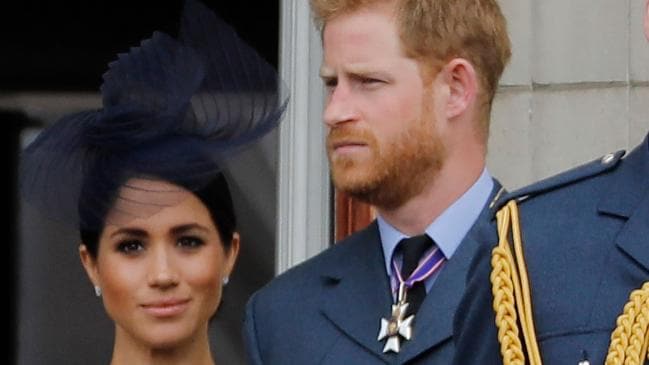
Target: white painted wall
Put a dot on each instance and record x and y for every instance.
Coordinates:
(577, 86)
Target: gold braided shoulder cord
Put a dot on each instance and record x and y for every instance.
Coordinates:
(630, 339)
(511, 291)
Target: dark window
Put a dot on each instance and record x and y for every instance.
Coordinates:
(66, 46)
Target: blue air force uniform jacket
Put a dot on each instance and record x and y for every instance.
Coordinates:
(585, 235)
(327, 310)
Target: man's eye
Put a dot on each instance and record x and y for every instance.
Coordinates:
(369, 80)
(130, 247)
(190, 242)
(330, 83)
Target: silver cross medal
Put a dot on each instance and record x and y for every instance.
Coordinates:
(396, 327)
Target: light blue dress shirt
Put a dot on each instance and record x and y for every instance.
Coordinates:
(448, 230)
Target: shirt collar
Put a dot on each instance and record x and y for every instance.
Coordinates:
(449, 229)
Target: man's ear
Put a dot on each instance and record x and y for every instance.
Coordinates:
(89, 264)
(462, 80)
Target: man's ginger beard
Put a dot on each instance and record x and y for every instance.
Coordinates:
(394, 172)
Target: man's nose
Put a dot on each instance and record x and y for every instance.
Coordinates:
(340, 106)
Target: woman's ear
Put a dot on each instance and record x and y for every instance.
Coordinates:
(89, 264)
(460, 76)
(232, 253)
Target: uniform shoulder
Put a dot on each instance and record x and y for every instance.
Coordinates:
(579, 174)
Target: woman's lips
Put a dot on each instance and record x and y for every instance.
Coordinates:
(166, 308)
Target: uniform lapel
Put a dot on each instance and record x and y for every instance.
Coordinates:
(434, 321)
(634, 236)
(628, 197)
(357, 291)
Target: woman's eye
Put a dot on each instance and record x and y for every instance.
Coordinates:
(130, 247)
(190, 242)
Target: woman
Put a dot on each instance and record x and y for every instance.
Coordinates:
(161, 275)
(141, 179)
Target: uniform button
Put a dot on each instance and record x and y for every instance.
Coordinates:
(607, 159)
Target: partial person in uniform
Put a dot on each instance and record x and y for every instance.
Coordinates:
(574, 287)
(141, 179)
(410, 86)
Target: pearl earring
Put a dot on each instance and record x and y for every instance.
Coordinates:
(226, 280)
(97, 291)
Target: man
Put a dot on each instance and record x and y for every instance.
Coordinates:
(410, 86)
(585, 237)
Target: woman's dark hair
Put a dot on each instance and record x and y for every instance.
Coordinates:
(98, 195)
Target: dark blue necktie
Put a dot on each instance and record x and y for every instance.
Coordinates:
(413, 249)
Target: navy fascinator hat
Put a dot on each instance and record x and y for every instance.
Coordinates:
(173, 109)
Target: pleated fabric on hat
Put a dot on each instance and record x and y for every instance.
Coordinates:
(173, 108)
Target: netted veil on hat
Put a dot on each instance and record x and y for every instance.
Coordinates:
(173, 109)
